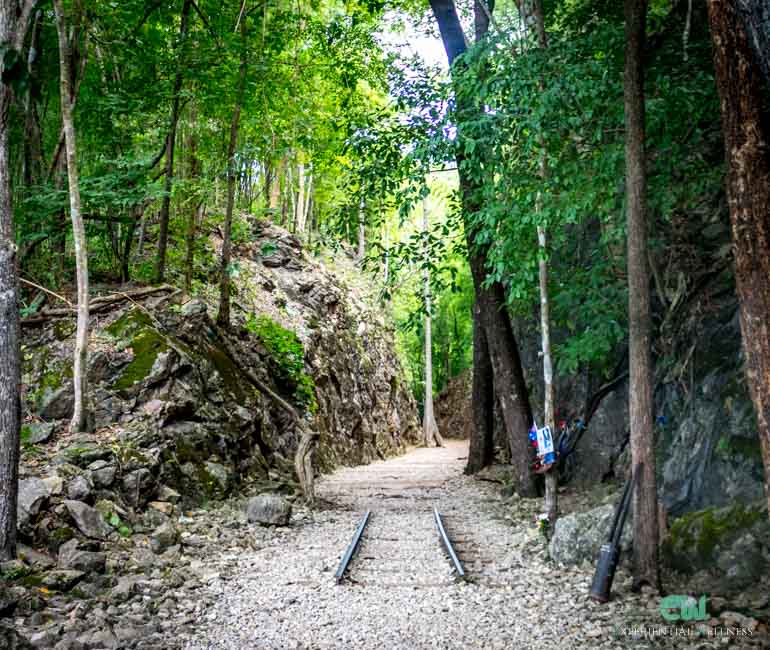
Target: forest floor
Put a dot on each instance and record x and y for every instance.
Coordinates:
(401, 592)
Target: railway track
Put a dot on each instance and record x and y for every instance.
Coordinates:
(381, 558)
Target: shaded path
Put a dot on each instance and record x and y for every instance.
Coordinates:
(402, 593)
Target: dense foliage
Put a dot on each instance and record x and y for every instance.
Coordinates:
(340, 140)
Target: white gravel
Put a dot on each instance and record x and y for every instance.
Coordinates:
(401, 592)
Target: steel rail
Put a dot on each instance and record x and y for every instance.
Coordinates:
(448, 544)
(352, 548)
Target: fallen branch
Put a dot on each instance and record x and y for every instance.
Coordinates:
(303, 458)
(48, 291)
(97, 305)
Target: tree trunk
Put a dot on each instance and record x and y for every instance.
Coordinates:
(482, 444)
(640, 389)
(361, 253)
(755, 16)
(80, 369)
(508, 376)
(223, 317)
(551, 496)
(748, 192)
(13, 27)
(308, 200)
(430, 428)
(275, 188)
(160, 268)
(386, 256)
(33, 138)
(193, 213)
(510, 386)
(299, 208)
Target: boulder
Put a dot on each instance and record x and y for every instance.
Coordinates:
(55, 485)
(37, 432)
(87, 519)
(731, 543)
(194, 307)
(71, 557)
(10, 639)
(269, 510)
(163, 537)
(35, 559)
(163, 507)
(32, 494)
(125, 589)
(84, 450)
(138, 486)
(62, 579)
(79, 488)
(578, 537)
(166, 493)
(8, 603)
(217, 478)
(58, 404)
(102, 639)
(743, 561)
(103, 473)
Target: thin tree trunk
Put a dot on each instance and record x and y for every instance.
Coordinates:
(361, 252)
(640, 389)
(430, 428)
(308, 200)
(223, 317)
(386, 260)
(551, 492)
(275, 191)
(165, 208)
(33, 144)
(192, 216)
(551, 496)
(747, 147)
(299, 208)
(80, 369)
(13, 27)
(292, 197)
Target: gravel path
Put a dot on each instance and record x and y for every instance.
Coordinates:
(401, 592)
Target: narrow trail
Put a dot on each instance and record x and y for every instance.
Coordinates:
(401, 592)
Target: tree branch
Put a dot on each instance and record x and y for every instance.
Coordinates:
(21, 27)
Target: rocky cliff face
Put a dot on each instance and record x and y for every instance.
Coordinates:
(708, 449)
(175, 408)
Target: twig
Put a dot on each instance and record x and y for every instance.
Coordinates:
(48, 291)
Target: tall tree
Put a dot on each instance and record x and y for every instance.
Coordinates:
(535, 11)
(429, 427)
(640, 386)
(14, 18)
(196, 206)
(80, 367)
(502, 348)
(223, 317)
(165, 208)
(747, 151)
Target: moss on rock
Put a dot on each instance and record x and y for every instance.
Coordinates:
(147, 345)
(288, 358)
(135, 329)
(694, 538)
